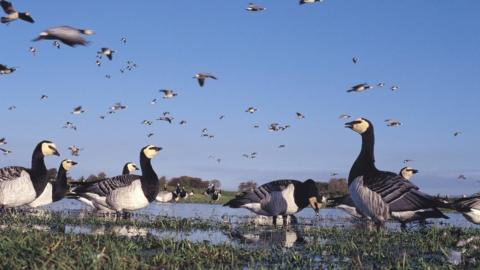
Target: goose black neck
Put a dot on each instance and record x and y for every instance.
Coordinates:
(365, 161)
(125, 170)
(150, 183)
(38, 173)
(60, 187)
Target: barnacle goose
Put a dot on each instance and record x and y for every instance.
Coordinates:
(165, 195)
(19, 185)
(469, 207)
(12, 14)
(381, 195)
(66, 34)
(55, 191)
(124, 192)
(281, 197)
(346, 204)
(129, 168)
(202, 76)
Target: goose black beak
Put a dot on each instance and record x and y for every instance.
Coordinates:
(351, 124)
(158, 149)
(74, 163)
(55, 151)
(414, 171)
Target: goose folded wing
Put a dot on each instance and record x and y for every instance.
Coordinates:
(106, 186)
(11, 173)
(259, 195)
(401, 195)
(467, 203)
(278, 185)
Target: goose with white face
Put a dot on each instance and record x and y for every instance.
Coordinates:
(132, 167)
(49, 149)
(151, 151)
(408, 172)
(360, 125)
(68, 164)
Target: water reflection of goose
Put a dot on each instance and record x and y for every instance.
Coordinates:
(284, 238)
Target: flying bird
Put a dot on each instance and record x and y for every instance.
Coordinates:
(66, 34)
(12, 14)
(106, 52)
(344, 116)
(75, 150)
(461, 177)
(381, 84)
(168, 119)
(56, 44)
(300, 115)
(78, 110)
(360, 87)
(355, 60)
(457, 133)
(44, 97)
(147, 122)
(70, 125)
(123, 40)
(201, 77)
(309, 1)
(154, 101)
(167, 93)
(183, 122)
(251, 110)
(4, 70)
(394, 88)
(254, 8)
(33, 50)
(150, 135)
(12, 108)
(118, 107)
(5, 151)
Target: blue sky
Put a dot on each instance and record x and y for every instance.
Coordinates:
(289, 58)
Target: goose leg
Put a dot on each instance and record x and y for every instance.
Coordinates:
(293, 219)
(284, 219)
(274, 221)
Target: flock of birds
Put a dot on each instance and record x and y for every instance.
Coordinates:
(373, 194)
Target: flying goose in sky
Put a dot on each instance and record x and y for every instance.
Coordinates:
(408, 172)
(251, 110)
(124, 192)
(56, 190)
(360, 88)
(12, 14)
(106, 52)
(69, 125)
(12, 108)
(405, 161)
(56, 44)
(279, 198)
(300, 115)
(3, 141)
(167, 93)
(355, 59)
(75, 150)
(33, 50)
(4, 70)
(147, 122)
(469, 207)
(394, 88)
(123, 40)
(381, 84)
(456, 133)
(462, 177)
(393, 123)
(253, 7)
(66, 34)
(380, 195)
(129, 168)
(168, 119)
(202, 76)
(117, 107)
(309, 1)
(344, 116)
(78, 110)
(5, 151)
(44, 97)
(19, 185)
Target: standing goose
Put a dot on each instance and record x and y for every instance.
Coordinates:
(124, 192)
(469, 207)
(380, 195)
(129, 168)
(19, 185)
(55, 191)
(281, 197)
(165, 195)
(346, 204)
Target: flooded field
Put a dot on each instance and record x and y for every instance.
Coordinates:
(205, 236)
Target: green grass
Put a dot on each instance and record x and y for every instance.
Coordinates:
(200, 198)
(22, 247)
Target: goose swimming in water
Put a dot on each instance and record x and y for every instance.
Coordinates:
(124, 192)
(380, 195)
(20, 186)
(279, 198)
(55, 191)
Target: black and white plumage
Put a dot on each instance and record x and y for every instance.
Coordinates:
(5, 151)
(167, 93)
(19, 185)
(407, 172)
(12, 14)
(254, 7)
(281, 197)
(106, 52)
(251, 110)
(124, 192)
(65, 34)
(344, 116)
(56, 190)
(300, 115)
(469, 207)
(78, 110)
(3, 141)
(360, 87)
(129, 168)
(4, 70)
(201, 77)
(309, 1)
(380, 195)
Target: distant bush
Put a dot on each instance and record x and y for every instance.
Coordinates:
(247, 186)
